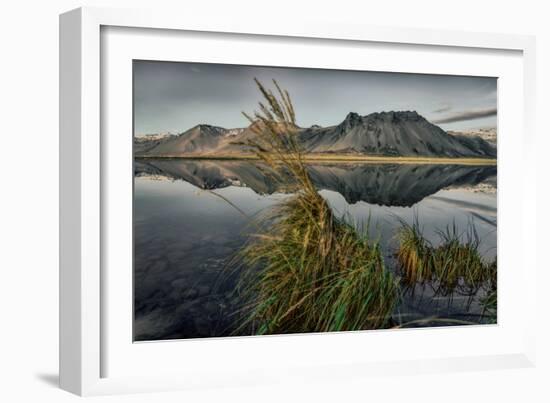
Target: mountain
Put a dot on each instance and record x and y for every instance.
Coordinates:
(488, 134)
(199, 139)
(388, 133)
(144, 144)
(381, 133)
(477, 143)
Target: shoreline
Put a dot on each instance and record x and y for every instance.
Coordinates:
(337, 158)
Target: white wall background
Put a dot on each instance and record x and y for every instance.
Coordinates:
(29, 200)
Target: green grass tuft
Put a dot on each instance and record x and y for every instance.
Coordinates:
(454, 266)
(304, 269)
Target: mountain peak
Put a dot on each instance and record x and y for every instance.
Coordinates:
(206, 128)
(352, 115)
(396, 115)
(352, 119)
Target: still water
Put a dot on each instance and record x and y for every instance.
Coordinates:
(191, 218)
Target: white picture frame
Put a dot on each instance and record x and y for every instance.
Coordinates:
(96, 356)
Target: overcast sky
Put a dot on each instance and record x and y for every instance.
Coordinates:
(173, 97)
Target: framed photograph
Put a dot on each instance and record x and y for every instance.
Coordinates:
(244, 202)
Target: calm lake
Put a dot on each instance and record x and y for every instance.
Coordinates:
(191, 217)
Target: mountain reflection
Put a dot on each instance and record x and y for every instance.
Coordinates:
(381, 184)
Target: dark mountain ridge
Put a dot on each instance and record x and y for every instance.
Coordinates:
(399, 134)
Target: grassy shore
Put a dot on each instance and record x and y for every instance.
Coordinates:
(336, 158)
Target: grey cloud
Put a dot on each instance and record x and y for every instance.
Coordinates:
(468, 115)
(174, 96)
(445, 108)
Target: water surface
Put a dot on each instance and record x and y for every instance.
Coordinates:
(192, 216)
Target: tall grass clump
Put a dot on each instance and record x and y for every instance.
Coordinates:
(414, 254)
(306, 270)
(455, 265)
(457, 262)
